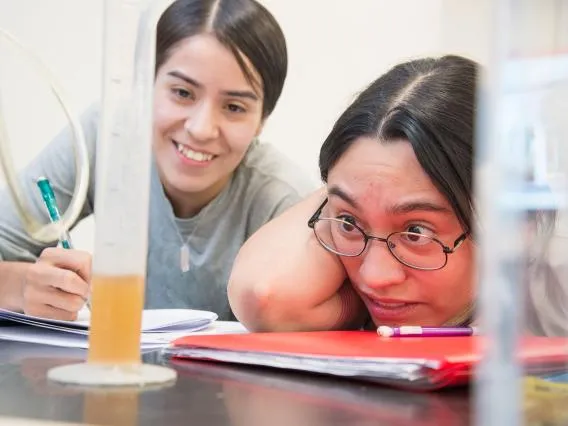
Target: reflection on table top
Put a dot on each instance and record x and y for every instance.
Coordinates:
(214, 394)
(220, 394)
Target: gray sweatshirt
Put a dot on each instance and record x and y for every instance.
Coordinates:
(264, 185)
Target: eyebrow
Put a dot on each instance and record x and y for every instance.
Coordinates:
(397, 209)
(340, 193)
(412, 206)
(231, 93)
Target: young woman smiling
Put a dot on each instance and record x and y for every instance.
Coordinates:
(220, 69)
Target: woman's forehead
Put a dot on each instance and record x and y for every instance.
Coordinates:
(211, 62)
(377, 162)
(370, 168)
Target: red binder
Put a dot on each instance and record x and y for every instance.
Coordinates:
(417, 363)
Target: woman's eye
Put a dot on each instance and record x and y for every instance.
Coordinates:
(235, 108)
(347, 223)
(419, 230)
(182, 93)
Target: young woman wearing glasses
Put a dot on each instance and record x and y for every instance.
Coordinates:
(388, 241)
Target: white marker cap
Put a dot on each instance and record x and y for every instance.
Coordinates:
(385, 331)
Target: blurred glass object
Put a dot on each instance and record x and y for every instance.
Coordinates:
(522, 185)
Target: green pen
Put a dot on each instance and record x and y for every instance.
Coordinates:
(49, 200)
(51, 204)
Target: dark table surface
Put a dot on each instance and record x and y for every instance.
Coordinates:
(218, 394)
(215, 394)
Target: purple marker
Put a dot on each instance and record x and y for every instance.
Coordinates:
(417, 331)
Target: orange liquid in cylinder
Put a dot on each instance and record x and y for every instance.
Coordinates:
(111, 408)
(116, 317)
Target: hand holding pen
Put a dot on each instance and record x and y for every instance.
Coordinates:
(57, 285)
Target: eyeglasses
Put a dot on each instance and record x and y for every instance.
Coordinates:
(412, 249)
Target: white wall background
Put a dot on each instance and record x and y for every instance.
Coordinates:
(336, 47)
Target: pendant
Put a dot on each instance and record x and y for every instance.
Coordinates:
(184, 258)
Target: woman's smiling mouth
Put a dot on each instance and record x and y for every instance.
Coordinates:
(187, 152)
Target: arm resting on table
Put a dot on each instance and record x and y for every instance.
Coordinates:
(283, 280)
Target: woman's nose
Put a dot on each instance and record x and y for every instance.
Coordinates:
(379, 268)
(202, 123)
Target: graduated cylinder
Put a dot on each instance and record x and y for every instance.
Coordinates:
(114, 336)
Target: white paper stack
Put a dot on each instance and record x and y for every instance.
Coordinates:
(159, 327)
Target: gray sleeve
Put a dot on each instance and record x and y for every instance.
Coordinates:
(547, 300)
(57, 163)
(270, 201)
